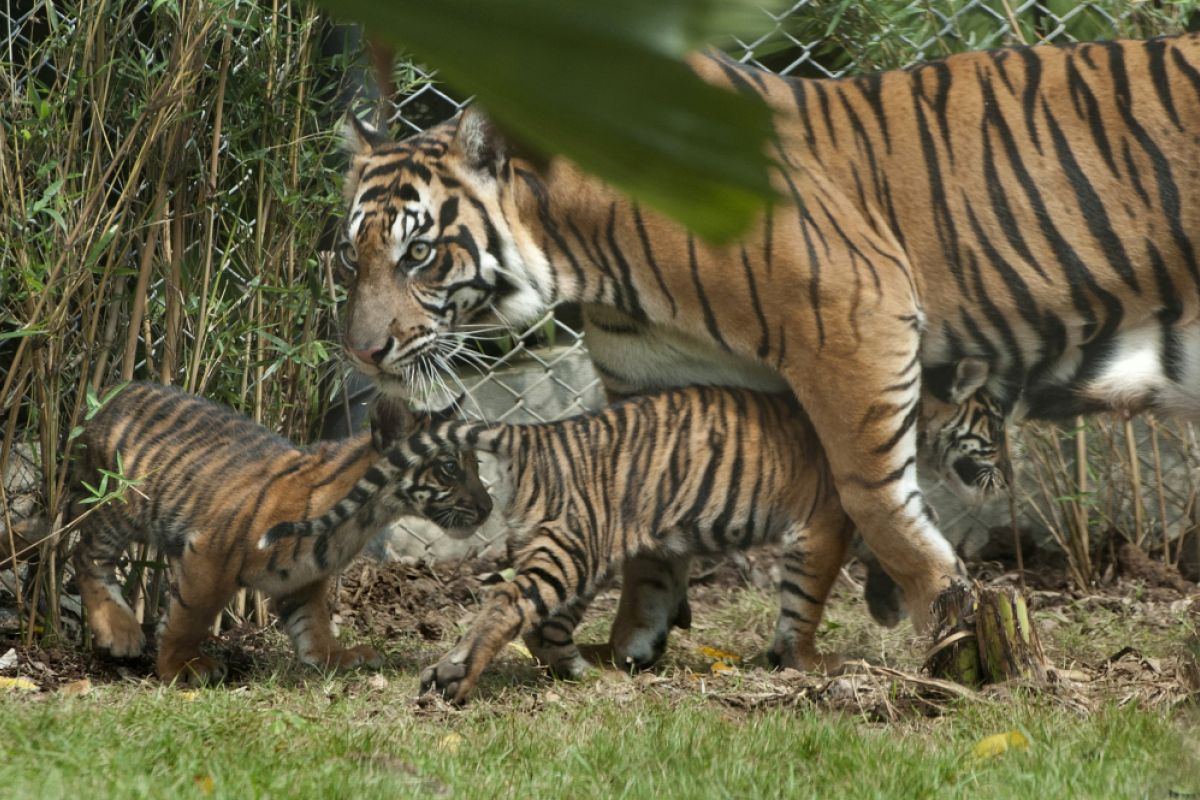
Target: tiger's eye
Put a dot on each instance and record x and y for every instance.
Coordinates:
(418, 251)
(450, 470)
(348, 256)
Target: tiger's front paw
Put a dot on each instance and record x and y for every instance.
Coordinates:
(117, 632)
(362, 655)
(448, 679)
(804, 659)
(201, 670)
(564, 661)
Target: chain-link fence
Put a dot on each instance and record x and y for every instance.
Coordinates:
(215, 152)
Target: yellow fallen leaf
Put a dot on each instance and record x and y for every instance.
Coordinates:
(17, 685)
(450, 743)
(205, 783)
(76, 688)
(996, 744)
(520, 648)
(720, 655)
(720, 666)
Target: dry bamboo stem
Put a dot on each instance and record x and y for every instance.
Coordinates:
(1158, 483)
(1081, 538)
(1135, 480)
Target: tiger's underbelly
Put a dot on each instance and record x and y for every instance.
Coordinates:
(1146, 366)
(1149, 367)
(634, 358)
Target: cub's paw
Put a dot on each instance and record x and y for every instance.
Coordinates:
(199, 671)
(572, 667)
(562, 661)
(362, 655)
(585, 662)
(446, 678)
(118, 633)
(805, 660)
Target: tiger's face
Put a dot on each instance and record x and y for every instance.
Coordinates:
(963, 430)
(425, 248)
(444, 487)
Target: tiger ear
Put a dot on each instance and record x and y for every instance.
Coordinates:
(478, 141)
(391, 421)
(359, 138)
(449, 412)
(970, 374)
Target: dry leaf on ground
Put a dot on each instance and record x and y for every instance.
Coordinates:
(1000, 743)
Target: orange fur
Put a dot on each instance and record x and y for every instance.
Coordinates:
(206, 483)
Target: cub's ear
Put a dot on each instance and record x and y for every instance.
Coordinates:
(478, 141)
(449, 412)
(970, 374)
(359, 138)
(391, 422)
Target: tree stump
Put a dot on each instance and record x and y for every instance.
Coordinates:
(985, 635)
(954, 655)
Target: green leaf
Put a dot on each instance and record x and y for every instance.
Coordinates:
(99, 246)
(604, 85)
(17, 334)
(94, 404)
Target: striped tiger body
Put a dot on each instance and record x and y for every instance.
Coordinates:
(692, 471)
(1036, 208)
(206, 483)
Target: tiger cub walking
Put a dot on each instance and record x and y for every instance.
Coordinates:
(205, 484)
(688, 471)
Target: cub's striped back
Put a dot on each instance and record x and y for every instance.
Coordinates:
(687, 471)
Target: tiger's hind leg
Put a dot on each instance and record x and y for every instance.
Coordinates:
(810, 567)
(653, 600)
(200, 588)
(114, 626)
(304, 615)
(864, 410)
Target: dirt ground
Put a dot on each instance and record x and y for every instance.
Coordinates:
(1133, 642)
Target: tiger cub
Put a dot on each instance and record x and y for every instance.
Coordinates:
(205, 483)
(689, 471)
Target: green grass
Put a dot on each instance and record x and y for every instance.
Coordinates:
(340, 738)
(683, 732)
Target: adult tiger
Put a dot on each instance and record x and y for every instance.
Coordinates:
(1034, 207)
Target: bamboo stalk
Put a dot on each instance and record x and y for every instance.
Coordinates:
(1152, 421)
(143, 280)
(214, 165)
(1135, 480)
(1081, 538)
(1012, 513)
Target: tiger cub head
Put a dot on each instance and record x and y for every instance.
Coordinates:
(425, 246)
(445, 486)
(963, 429)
